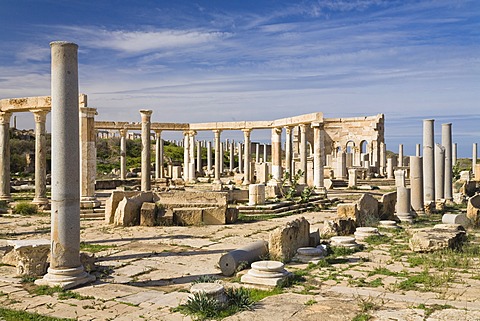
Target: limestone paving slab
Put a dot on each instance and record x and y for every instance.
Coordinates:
(107, 291)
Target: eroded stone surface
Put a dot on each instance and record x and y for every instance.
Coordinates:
(284, 241)
(439, 237)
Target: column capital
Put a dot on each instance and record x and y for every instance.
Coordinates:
(192, 132)
(88, 112)
(158, 131)
(146, 113)
(217, 132)
(303, 127)
(277, 130)
(40, 115)
(317, 125)
(288, 129)
(5, 117)
(123, 132)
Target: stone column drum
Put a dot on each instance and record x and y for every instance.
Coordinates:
(416, 183)
(276, 154)
(303, 154)
(5, 156)
(146, 183)
(447, 145)
(428, 161)
(40, 158)
(65, 269)
(88, 157)
(123, 153)
(403, 205)
(247, 171)
(318, 155)
(217, 156)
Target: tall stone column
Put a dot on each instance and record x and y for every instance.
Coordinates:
(439, 172)
(400, 155)
(222, 153)
(246, 163)
(383, 158)
(265, 158)
(88, 158)
(447, 144)
(257, 153)
(231, 152)
(318, 154)
(146, 183)
(191, 165)
(341, 165)
(416, 183)
(303, 154)
(40, 158)
(186, 155)
(5, 156)
(199, 158)
(217, 180)
(209, 157)
(65, 268)
(389, 168)
(418, 150)
(454, 154)
(123, 153)
(277, 154)
(158, 154)
(240, 159)
(288, 151)
(428, 161)
(474, 158)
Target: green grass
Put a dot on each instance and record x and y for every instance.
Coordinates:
(362, 317)
(432, 308)
(14, 315)
(62, 294)
(25, 208)
(426, 281)
(378, 240)
(95, 248)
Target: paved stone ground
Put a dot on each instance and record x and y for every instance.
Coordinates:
(148, 270)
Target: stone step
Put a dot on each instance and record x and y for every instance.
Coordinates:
(290, 208)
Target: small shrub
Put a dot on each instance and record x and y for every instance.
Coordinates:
(205, 279)
(25, 208)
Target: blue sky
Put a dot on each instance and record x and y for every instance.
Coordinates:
(199, 61)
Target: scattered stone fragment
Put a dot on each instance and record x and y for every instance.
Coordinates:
(338, 226)
(441, 236)
(309, 254)
(270, 273)
(211, 290)
(284, 241)
(456, 219)
(241, 258)
(29, 256)
(343, 241)
(388, 224)
(473, 210)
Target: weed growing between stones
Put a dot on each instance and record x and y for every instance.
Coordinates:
(25, 208)
(429, 309)
(202, 307)
(14, 315)
(95, 248)
(205, 279)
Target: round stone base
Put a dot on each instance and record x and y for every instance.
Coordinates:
(211, 290)
(66, 278)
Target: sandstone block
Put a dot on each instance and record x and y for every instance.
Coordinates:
(347, 211)
(473, 210)
(441, 236)
(367, 210)
(387, 206)
(187, 216)
(284, 241)
(338, 227)
(214, 215)
(148, 214)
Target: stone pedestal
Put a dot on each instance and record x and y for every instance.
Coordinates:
(310, 254)
(343, 241)
(256, 194)
(388, 224)
(270, 273)
(361, 233)
(211, 290)
(352, 177)
(65, 269)
(403, 205)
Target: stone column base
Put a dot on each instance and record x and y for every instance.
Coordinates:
(7, 198)
(42, 203)
(66, 278)
(89, 202)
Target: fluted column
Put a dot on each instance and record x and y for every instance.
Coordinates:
(123, 153)
(146, 154)
(158, 154)
(318, 154)
(40, 198)
(447, 144)
(288, 151)
(303, 153)
(5, 156)
(428, 161)
(65, 268)
(246, 163)
(217, 132)
(88, 158)
(277, 154)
